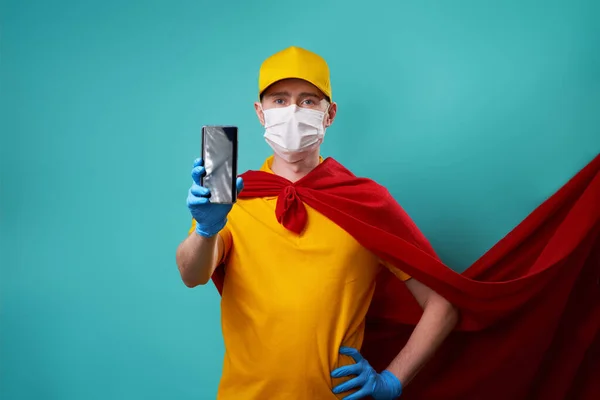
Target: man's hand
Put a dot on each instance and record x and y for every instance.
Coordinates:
(210, 218)
(384, 386)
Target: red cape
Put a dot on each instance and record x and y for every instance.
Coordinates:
(530, 306)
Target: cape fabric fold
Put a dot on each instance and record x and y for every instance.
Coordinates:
(530, 306)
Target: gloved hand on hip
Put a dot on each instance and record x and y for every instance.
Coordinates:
(384, 386)
(210, 218)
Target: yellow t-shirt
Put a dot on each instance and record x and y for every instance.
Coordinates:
(289, 302)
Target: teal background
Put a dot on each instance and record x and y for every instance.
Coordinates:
(471, 112)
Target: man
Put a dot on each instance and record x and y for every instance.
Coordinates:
(294, 301)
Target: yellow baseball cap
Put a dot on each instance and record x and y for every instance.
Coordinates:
(295, 62)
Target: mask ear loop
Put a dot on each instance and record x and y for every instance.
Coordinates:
(327, 115)
(263, 114)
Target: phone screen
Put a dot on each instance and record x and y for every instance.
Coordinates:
(219, 152)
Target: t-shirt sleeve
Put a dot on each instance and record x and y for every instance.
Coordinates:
(403, 276)
(225, 234)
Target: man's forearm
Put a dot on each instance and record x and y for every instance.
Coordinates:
(438, 320)
(196, 258)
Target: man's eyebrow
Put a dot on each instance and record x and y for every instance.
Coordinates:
(279, 94)
(287, 94)
(310, 94)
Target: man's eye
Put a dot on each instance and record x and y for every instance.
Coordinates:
(279, 101)
(308, 102)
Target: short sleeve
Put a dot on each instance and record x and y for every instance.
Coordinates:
(225, 234)
(403, 276)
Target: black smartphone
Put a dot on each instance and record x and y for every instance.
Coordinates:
(219, 153)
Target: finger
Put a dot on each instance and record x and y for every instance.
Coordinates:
(347, 370)
(361, 394)
(199, 191)
(198, 162)
(198, 172)
(353, 383)
(349, 351)
(193, 201)
(239, 184)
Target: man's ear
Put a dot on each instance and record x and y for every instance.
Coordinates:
(332, 111)
(259, 113)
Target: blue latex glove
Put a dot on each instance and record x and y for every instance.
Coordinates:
(384, 386)
(210, 218)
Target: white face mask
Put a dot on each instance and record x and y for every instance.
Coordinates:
(293, 131)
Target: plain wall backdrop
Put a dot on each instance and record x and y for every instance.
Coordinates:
(470, 112)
